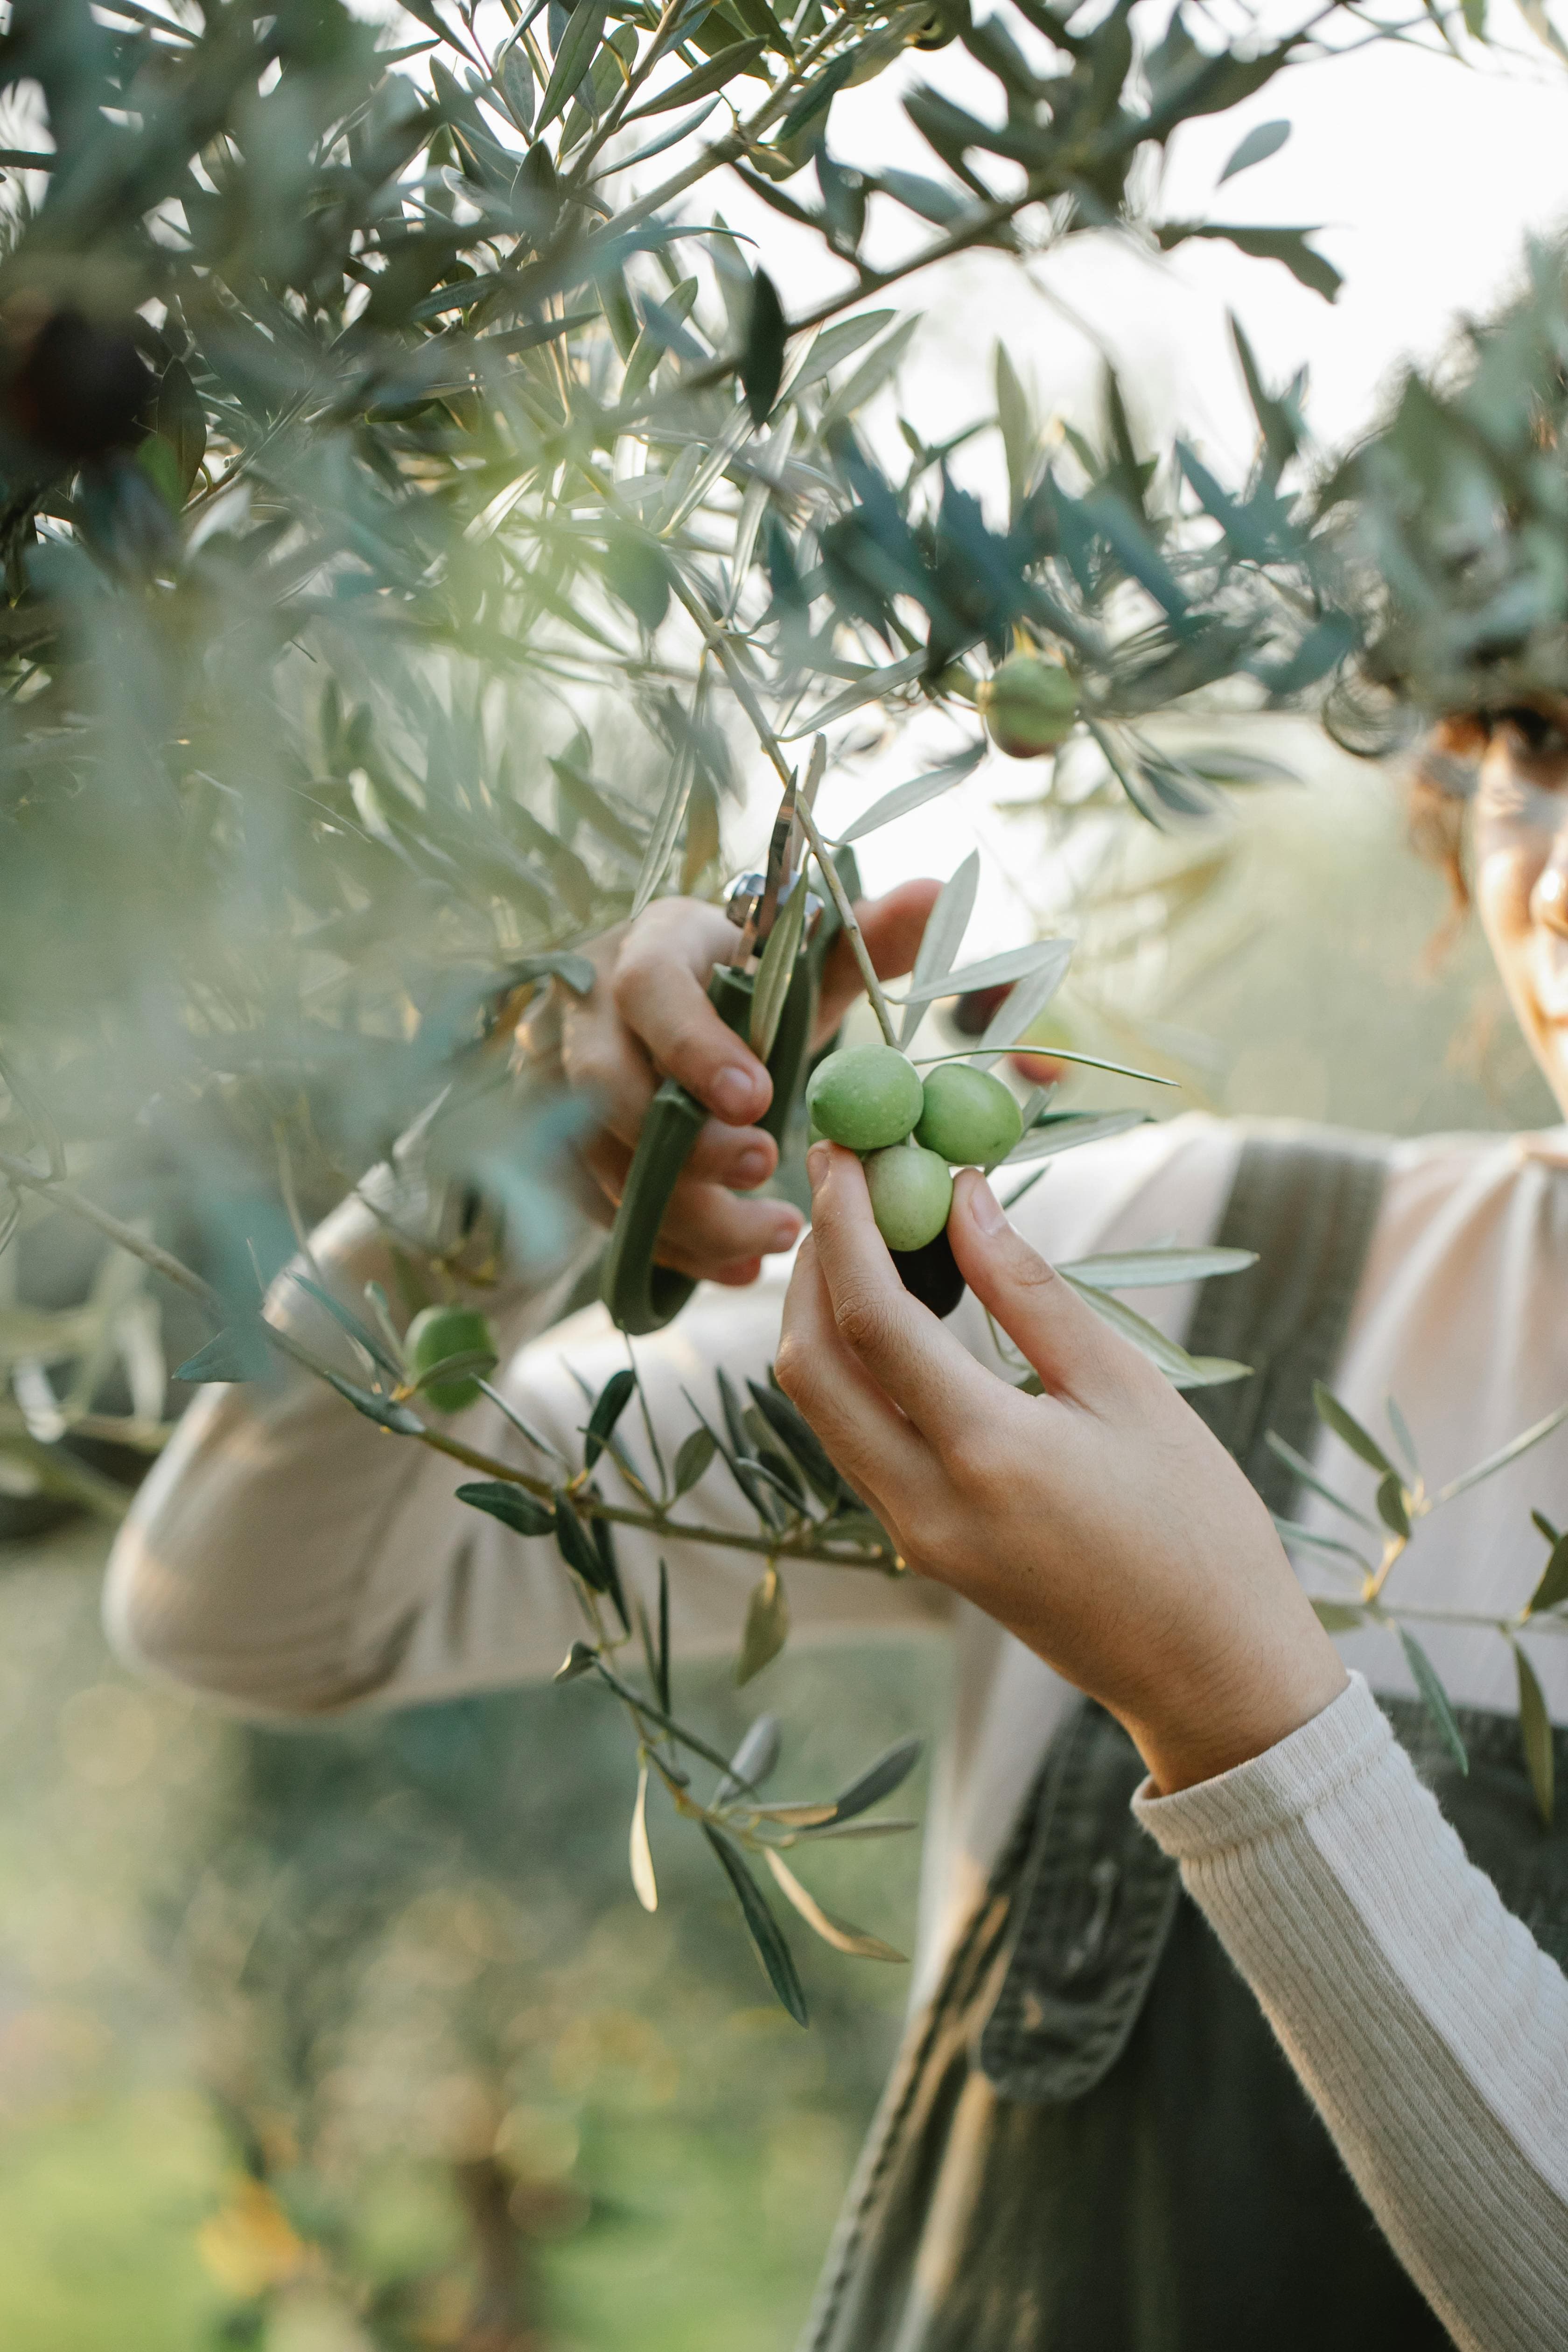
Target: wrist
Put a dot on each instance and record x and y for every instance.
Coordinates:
(1204, 1725)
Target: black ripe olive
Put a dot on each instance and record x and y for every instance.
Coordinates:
(74, 389)
(930, 1274)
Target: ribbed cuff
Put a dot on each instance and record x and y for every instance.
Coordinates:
(1308, 1767)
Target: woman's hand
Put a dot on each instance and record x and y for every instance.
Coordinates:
(647, 1017)
(1100, 1522)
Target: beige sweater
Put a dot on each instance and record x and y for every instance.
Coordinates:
(285, 1557)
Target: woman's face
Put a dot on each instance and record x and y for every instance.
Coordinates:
(1521, 850)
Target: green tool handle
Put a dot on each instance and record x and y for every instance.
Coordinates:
(643, 1296)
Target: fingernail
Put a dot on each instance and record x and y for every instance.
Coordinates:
(733, 1092)
(816, 1165)
(785, 1233)
(752, 1167)
(985, 1209)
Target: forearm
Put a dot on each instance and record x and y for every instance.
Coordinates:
(1428, 2026)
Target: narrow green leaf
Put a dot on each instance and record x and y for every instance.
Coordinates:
(1535, 1731)
(1011, 964)
(1505, 1455)
(1401, 1436)
(513, 1505)
(379, 1408)
(879, 1779)
(1046, 1138)
(1293, 1532)
(1290, 245)
(1553, 1585)
(703, 82)
(611, 1402)
(697, 1451)
(836, 1932)
(573, 57)
(1339, 1616)
(1346, 1427)
(645, 1886)
(767, 1940)
(578, 1547)
(943, 936)
(766, 1628)
(873, 372)
(1016, 424)
(761, 362)
(837, 343)
(1544, 1527)
(240, 1353)
(870, 686)
(1156, 1269)
(1391, 1508)
(1265, 139)
(1434, 1697)
(1308, 1477)
(1182, 1371)
(776, 970)
(797, 1435)
(375, 1347)
(756, 1757)
(915, 793)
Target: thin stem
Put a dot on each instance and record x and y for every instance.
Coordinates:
(26, 1178)
(852, 931)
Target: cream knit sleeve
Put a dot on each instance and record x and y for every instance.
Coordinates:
(1428, 2026)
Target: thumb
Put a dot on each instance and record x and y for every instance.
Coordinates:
(1062, 1338)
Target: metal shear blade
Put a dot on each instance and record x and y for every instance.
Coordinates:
(780, 850)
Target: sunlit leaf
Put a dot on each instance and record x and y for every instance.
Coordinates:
(1434, 1698)
(645, 1886)
(1150, 1269)
(1182, 1371)
(942, 938)
(915, 793)
(836, 1932)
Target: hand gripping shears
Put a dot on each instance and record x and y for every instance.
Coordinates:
(643, 1296)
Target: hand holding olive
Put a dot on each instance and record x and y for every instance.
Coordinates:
(647, 1016)
(1102, 1522)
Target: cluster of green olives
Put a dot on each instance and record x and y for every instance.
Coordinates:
(910, 1135)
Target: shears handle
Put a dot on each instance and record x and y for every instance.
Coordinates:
(643, 1296)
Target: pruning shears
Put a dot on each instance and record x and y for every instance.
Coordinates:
(643, 1296)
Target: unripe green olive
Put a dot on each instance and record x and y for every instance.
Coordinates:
(911, 1193)
(437, 1333)
(864, 1097)
(1029, 706)
(970, 1117)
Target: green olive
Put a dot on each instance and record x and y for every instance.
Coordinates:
(970, 1117)
(864, 1096)
(1029, 706)
(911, 1193)
(439, 1333)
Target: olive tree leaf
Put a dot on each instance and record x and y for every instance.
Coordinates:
(1016, 421)
(512, 1506)
(915, 793)
(874, 369)
(756, 1757)
(871, 686)
(836, 1932)
(580, 1659)
(1014, 964)
(1401, 1436)
(767, 1941)
(762, 361)
(703, 82)
(766, 1629)
(1047, 1137)
(698, 1448)
(1184, 1372)
(1553, 1585)
(238, 1353)
(1504, 1454)
(795, 1432)
(645, 1886)
(375, 1347)
(611, 1402)
(1290, 245)
(573, 57)
(1339, 1616)
(776, 970)
(1023, 1005)
(1265, 139)
(1434, 1698)
(1535, 1731)
(1390, 1503)
(1308, 1477)
(879, 1779)
(379, 1408)
(1154, 1268)
(942, 938)
(1349, 1430)
(836, 344)
(1293, 1532)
